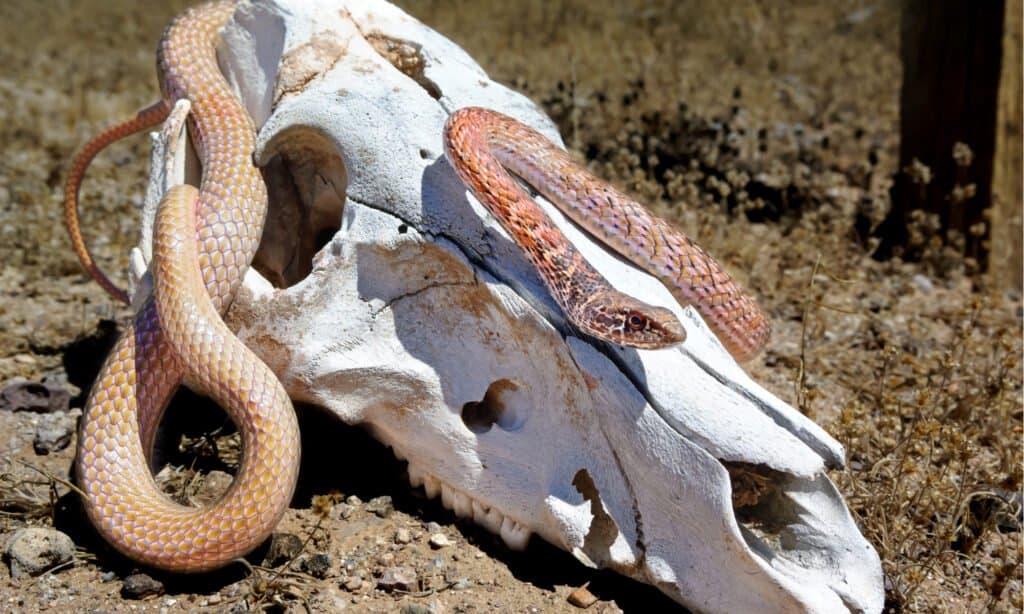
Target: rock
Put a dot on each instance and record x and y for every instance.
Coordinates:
(141, 586)
(23, 395)
(353, 584)
(381, 506)
(462, 584)
(440, 540)
(317, 565)
(403, 536)
(214, 484)
(54, 431)
(284, 547)
(432, 527)
(34, 550)
(399, 578)
(328, 600)
(922, 282)
(582, 597)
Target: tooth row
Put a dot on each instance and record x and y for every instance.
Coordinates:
(514, 534)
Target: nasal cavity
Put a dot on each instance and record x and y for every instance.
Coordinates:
(306, 183)
(407, 57)
(497, 407)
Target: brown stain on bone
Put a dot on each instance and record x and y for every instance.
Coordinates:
(300, 66)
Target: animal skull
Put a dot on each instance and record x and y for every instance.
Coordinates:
(387, 295)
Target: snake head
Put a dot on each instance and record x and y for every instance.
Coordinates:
(629, 322)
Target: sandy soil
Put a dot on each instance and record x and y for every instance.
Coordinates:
(767, 130)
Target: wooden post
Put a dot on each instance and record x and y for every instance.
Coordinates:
(1006, 262)
(951, 53)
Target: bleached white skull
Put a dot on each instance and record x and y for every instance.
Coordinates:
(399, 304)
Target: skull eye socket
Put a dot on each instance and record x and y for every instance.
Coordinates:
(635, 321)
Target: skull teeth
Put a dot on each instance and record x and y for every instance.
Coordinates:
(514, 534)
(456, 501)
(489, 518)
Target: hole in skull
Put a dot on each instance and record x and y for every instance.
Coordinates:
(762, 510)
(494, 408)
(406, 57)
(603, 530)
(751, 484)
(306, 183)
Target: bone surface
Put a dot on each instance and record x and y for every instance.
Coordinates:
(385, 294)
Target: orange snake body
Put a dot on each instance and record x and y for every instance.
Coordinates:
(481, 143)
(178, 334)
(204, 242)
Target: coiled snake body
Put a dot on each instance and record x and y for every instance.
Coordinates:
(178, 333)
(205, 241)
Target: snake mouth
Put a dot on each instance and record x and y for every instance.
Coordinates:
(666, 328)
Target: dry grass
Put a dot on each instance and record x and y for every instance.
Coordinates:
(935, 460)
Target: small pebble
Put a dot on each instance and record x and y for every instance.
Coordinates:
(213, 485)
(54, 431)
(353, 584)
(141, 586)
(381, 506)
(20, 394)
(462, 584)
(32, 551)
(439, 540)
(582, 597)
(398, 578)
(922, 282)
(353, 500)
(432, 527)
(403, 536)
(317, 565)
(283, 548)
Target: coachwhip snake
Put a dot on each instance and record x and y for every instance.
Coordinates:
(204, 242)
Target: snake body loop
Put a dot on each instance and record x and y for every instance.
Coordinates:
(481, 143)
(143, 120)
(205, 242)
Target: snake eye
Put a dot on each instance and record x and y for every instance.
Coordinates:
(636, 321)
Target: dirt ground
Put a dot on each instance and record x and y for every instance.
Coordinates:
(767, 130)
